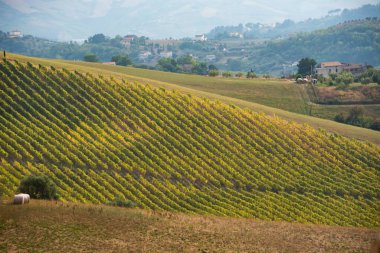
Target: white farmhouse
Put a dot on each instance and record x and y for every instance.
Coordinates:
(210, 57)
(14, 34)
(200, 37)
(144, 55)
(166, 54)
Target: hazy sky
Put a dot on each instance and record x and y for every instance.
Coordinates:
(161, 18)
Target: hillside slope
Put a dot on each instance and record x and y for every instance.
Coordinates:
(353, 42)
(209, 88)
(99, 139)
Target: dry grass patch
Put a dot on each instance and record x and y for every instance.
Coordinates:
(65, 227)
(354, 95)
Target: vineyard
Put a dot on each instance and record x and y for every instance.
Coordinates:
(99, 138)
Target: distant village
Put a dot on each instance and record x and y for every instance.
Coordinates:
(146, 51)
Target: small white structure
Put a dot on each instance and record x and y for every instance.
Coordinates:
(167, 54)
(21, 198)
(200, 37)
(14, 34)
(210, 57)
(144, 55)
(236, 35)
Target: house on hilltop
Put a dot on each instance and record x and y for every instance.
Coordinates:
(126, 41)
(326, 68)
(200, 37)
(14, 34)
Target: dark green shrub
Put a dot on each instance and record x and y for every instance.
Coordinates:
(375, 125)
(38, 187)
(213, 72)
(226, 74)
(340, 118)
(266, 76)
(366, 80)
(122, 203)
(251, 74)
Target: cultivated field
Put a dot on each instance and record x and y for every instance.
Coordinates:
(66, 227)
(297, 99)
(99, 139)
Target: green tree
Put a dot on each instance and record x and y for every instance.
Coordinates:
(122, 60)
(167, 64)
(38, 187)
(266, 76)
(200, 68)
(345, 78)
(186, 59)
(251, 74)
(305, 66)
(91, 58)
(340, 118)
(212, 67)
(97, 38)
(226, 74)
(213, 72)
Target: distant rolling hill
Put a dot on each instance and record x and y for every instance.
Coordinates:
(99, 138)
(353, 41)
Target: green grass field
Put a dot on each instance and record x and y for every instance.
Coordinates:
(329, 111)
(164, 79)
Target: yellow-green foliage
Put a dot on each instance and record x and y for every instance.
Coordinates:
(98, 139)
(226, 90)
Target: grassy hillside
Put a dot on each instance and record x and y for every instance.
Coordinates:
(58, 227)
(98, 139)
(352, 41)
(211, 88)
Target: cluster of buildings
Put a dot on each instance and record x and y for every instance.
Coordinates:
(151, 52)
(232, 35)
(326, 68)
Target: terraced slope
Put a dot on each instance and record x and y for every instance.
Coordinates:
(119, 73)
(99, 139)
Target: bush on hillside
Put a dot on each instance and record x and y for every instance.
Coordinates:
(38, 187)
(213, 72)
(251, 74)
(91, 58)
(122, 203)
(226, 74)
